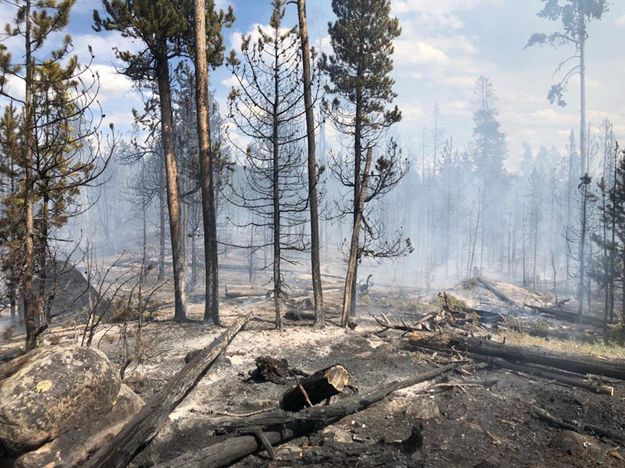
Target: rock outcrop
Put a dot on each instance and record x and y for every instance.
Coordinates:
(60, 405)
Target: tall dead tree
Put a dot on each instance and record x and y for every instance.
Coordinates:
(312, 164)
(267, 106)
(214, 43)
(575, 16)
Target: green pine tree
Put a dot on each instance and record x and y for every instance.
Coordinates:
(359, 72)
(52, 161)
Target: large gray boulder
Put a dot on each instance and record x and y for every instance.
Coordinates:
(55, 391)
(73, 447)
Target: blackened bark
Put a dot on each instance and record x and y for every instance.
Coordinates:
(211, 308)
(312, 165)
(173, 195)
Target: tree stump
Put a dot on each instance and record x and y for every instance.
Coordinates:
(311, 390)
(269, 369)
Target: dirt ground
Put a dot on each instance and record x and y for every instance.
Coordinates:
(465, 425)
(462, 426)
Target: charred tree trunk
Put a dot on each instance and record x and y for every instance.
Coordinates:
(173, 194)
(582, 249)
(277, 260)
(312, 165)
(261, 432)
(521, 354)
(161, 234)
(141, 429)
(211, 310)
(349, 298)
(352, 296)
(311, 390)
(32, 301)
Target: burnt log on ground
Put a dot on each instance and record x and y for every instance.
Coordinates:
(500, 295)
(317, 387)
(6, 356)
(461, 314)
(141, 429)
(299, 316)
(522, 354)
(243, 292)
(579, 427)
(419, 324)
(550, 374)
(567, 315)
(558, 332)
(256, 433)
(10, 367)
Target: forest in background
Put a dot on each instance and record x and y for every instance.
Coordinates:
(262, 177)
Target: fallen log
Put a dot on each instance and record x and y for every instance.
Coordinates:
(579, 427)
(253, 434)
(566, 315)
(141, 429)
(299, 316)
(486, 316)
(551, 375)
(311, 390)
(244, 293)
(501, 296)
(10, 367)
(415, 326)
(522, 354)
(6, 356)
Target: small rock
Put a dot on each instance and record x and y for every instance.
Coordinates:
(388, 347)
(338, 435)
(136, 381)
(572, 443)
(423, 408)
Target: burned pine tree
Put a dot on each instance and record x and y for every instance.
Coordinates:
(359, 71)
(208, 50)
(609, 268)
(369, 238)
(489, 154)
(267, 107)
(58, 152)
(575, 17)
(160, 27)
(192, 178)
(10, 145)
(312, 163)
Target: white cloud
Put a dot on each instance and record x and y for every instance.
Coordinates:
(102, 46)
(112, 82)
(230, 82)
(418, 52)
(411, 111)
(15, 87)
(437, 14)
(437, 6)
(620, 21)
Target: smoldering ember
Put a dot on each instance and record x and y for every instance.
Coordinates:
(312, 233)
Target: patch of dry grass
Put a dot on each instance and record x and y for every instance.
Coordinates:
(416, 305)
(600, 349)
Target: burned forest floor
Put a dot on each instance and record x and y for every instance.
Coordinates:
(480, 415)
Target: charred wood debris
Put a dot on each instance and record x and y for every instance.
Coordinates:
(455, 341)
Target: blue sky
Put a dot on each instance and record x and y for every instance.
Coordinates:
(444, 47)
